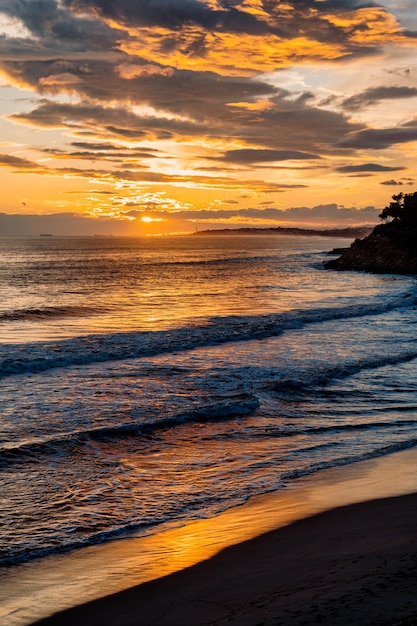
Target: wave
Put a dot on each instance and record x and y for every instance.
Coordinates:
(300, 385)
(218, 261)
(19, 315)
(43, 356)
(35, 451)
(290, 431)
(245, 406)
(136, 528)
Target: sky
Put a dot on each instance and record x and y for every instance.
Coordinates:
(169, 116)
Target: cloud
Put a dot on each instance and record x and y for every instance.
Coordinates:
(393, 182)
(8, 160)
(56, 27)
(207, 115)
(329, 214)
(66, 78)
(379, 138)
(138, 174)
(128, 71)
(104, 151)
(148, 38)
(156, 91)
(257, 156)
(178, 34)
(367, 167)
(288, 21)
(376, 95)
(120, 219)
(168, 13)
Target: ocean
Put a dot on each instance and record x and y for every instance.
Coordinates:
(147, 382)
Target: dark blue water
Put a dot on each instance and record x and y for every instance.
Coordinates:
(147, 381)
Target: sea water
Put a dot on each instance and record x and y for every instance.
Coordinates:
(148, 382)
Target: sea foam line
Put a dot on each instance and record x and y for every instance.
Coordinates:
(34, 451)
(43, 356)
(298, 386)
(137, 528)
(46, 313)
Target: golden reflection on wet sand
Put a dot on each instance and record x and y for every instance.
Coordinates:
(56, 583)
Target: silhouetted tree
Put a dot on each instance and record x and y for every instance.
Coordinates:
(402, 210)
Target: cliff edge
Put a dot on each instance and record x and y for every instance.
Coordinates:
(391, 248)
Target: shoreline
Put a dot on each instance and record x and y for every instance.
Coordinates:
(38, 589)
(353, 565)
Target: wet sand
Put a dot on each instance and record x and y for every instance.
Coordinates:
(339, 549)
(351, 565)
(278, 561)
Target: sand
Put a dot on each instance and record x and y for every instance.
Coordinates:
(271, 565)
(352, 565)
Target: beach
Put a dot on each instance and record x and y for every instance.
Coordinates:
(351, 565)
(341, 541)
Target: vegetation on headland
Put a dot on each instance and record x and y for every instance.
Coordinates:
(391, 248)
(351, 231)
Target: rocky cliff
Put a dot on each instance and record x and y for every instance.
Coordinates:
(391, 248)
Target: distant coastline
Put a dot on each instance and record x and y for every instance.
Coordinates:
(352, 231)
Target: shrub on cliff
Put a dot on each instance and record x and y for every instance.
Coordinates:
(391, 247)
(402, 210)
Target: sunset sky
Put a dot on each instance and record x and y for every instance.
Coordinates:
(160, 116)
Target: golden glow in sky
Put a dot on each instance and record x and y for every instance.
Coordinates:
(138, 117)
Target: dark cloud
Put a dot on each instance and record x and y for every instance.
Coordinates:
(367, 167)
(54, 24)
(180, 92)
(101, 120)
(378, 94)
(330, 213)
(107, 151)
(17, 162)
(392, 182)
(95, 147)
(325, 6)
(171, 14)
(83, 25)
(304, 16)
(379, 138)
(277, 127)
(177, 14)
(340, 5)
(257, 156)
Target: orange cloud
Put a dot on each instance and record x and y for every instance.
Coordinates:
(369, 26)
(60, 79)
(259, 105)
(229, 54)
